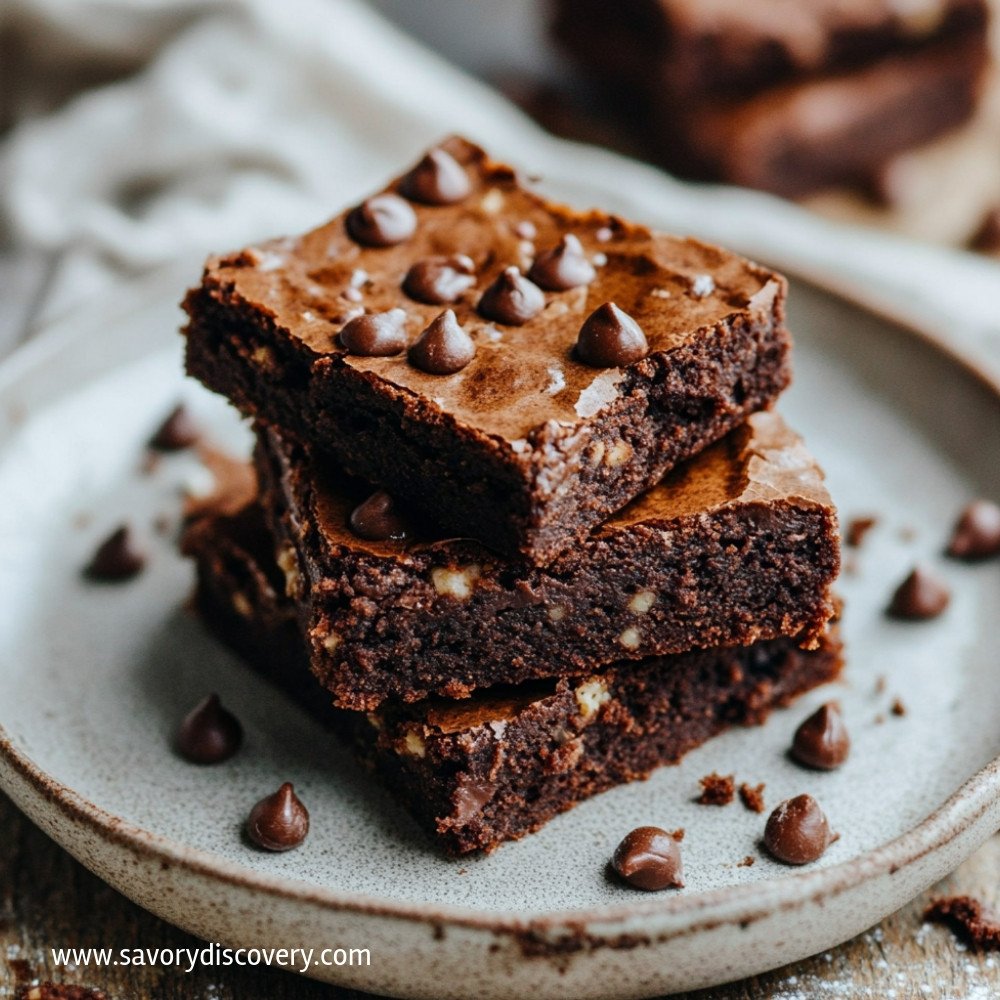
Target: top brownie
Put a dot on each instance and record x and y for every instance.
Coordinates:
(517, 370)
(701, 49)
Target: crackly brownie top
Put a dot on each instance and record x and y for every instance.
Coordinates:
(505, 359)
(805, 30)
(763, 461)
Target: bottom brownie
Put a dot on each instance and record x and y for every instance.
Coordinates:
(501, 764)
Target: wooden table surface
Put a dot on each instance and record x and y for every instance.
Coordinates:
(48, 900)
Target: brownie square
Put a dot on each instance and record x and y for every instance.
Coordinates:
(705, 51)
(526, 448)
(738, 545)
(501, 764)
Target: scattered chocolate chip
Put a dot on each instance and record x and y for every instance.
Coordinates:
(443, 348)
(747, 862)
(512, 299)
(209, 733)
(280, 821)
(716, 790)
(977, 532)
(822, 741)
(752, 797)
(897, 707)
(438, 179)
(176, 432)
(921, 595)
(857, 528)
(564, 266)
(382, 221)
(797, 832)
(610, 338)
(438, 280)
(649, 858)
(375, 335)
(377, 519)
(119, 557)
(986, 239)
(970, 920)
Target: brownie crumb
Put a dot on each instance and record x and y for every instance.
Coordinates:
(56, 991)
(970, 920)
(752, 796)
(677, 834)
(717, 790)
(897, 707)
(880, 684)
(857, 528)
(879, 719)
(747, 861)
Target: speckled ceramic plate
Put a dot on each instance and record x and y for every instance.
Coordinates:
(95, 678)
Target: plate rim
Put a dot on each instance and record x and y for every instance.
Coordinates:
(730, 905)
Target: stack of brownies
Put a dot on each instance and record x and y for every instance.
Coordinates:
(522, 527)
(790, 96)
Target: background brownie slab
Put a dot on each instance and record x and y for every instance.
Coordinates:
(737, 545)
(499, 766)
(526, 448)
(804, 137)
(694, 51)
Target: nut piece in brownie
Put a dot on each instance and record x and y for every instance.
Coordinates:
(516, 369)
(501, 764)
(737, 545)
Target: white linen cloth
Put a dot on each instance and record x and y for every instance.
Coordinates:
(251, 118)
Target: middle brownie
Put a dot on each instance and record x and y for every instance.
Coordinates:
(736, 546)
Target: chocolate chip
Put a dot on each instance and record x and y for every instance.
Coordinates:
(176, 432)
(119, 557)
(512, 299)
(610, 338)
(377, 519)
(438, 280)
(797, 832)
(443, 348)
(564, 266)
(822, 741)
(920, 595)
(649, 858)
(280, 821)
(986, 239)
(438, 179)
(382, 221)
(375, 335)
(209, 733)
(977, 532)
